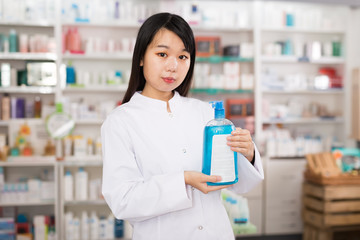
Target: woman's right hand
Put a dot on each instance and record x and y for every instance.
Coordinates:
(199, 181)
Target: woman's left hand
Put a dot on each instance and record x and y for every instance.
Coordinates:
(240, 141)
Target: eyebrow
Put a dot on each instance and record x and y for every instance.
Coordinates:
(167, 47)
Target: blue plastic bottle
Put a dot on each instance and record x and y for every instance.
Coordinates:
(218, 158)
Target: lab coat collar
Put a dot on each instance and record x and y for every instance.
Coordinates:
(156, 104)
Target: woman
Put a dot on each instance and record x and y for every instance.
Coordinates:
(152, 144)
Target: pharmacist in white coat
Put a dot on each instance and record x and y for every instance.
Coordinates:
(152, 144)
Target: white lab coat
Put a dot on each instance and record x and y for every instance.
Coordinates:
(146, 151)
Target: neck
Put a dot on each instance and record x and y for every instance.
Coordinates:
(164, 96)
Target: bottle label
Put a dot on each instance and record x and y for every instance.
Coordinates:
(222, 159)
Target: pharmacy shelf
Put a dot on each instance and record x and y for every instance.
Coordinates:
(329, 60)
(31, 161)
(85, 202)
(221, 59)
(304, 92)
(33, 120)
(95, 89)
(4, 123)
(287, 157)
(89, 121)
(294, 59)
(222, 29)
(98, 56)
(114, 24)
(28, 90)
(20, 204)
(303, 120)
(279, 59)
(303, 30)
(212, 91)
(82, 158)
(75, 161)
(28, 24)
(119, 24)
(28, 56)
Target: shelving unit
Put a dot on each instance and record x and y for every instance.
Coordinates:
(30, 167)
(92, 165)
(256, 32)
(22, 168)
(282, 205)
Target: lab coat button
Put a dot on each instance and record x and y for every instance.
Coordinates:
(184, 150)
(171, 115)
(200, 227)
(192, 188)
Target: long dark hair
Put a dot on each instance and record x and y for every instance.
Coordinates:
(145, 35)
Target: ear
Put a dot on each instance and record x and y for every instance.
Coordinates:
(141, 63)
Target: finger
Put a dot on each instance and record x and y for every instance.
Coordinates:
(243, 151)
(215, 188)
(239, 144)
(239, 140)
(244, 144)
(243, 138)
(212, 178)
(240, 131)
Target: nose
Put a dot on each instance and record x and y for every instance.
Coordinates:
(171, 64)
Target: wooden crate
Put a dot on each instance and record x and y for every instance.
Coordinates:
(313, 233)
(321, 168)
(330, 208)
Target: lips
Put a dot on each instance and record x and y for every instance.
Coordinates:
(168, 79)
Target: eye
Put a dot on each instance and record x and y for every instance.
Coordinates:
(183, 57)
(162, 54)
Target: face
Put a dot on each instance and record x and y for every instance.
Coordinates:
(165, 65)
